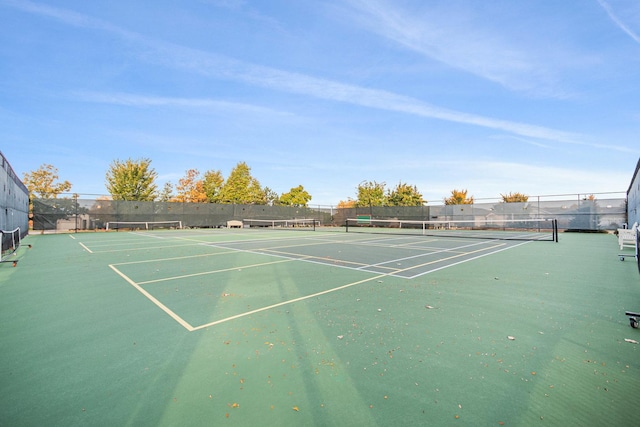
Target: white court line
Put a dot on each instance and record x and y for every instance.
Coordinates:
(467, 260)
(85, 248)
(191, 328)
(291, 301)
(452, 250)
(177, 258)
(331, 262)
(460, 255)
(365, 267)
(348, 285)
(153, 299)
(204, 273)
(142, 248)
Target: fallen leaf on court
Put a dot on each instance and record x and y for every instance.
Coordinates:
(295, 408)
(511, 338)
(340, 337)
(428, 306)
(631, 341)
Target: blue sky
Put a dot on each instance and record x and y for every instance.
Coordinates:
(539, 97)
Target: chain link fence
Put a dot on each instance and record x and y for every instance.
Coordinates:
(78, 214)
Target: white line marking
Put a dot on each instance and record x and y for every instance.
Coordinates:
(204, 273)
(147, 261)
(85, 248)
(163, 307)
(190, 328)
(467, 260)
(269, 307)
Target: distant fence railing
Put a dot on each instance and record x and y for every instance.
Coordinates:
(77, 214)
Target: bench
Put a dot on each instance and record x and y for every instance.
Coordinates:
(627, 236)
(234, 224)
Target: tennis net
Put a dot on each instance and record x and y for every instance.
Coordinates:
(10, 243)
(142, 225)
(517, 229)
(305, 223)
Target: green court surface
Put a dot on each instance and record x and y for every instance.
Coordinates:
(301, 328)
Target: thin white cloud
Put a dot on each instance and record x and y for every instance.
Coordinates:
(618, 21)
(227, 4)
(141, 101)
(69, 17)
(456, 38)
(218, 66)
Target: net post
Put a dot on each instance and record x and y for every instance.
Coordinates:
(346, 225)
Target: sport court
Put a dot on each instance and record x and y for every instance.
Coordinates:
(279, 327)
(236, 265)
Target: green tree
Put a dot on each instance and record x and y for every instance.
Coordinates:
(297, 196)
(132, 180)
(371, 193)
(459, 197)
(514, 198)
(405, 195)
(42, 184)
(271, 196)
(212, 184)
(241, 188)
(167, 192)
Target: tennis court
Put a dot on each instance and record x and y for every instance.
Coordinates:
(280, 327)
(236, 266)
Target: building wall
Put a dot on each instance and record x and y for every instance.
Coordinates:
(633, 198)
(14, 200)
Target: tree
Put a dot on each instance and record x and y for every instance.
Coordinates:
(348, 204)
(42, 182)
(458, 197)
(271, 196)
(241, 188)
(132, 180)
(514, 198)
(190, 188)
(371, 193)
(212, 185)
(297, 196)
(166, 195)
(405, 195)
